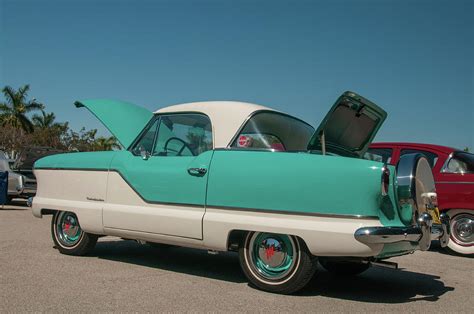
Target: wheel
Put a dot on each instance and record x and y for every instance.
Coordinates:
(462, 232)
(276, 262)
(68, 236)
(343, 268)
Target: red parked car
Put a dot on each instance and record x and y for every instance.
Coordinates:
(453, 171)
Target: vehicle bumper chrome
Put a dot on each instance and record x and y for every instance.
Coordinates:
(422, 234)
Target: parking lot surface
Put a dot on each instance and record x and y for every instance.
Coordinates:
(125, 276)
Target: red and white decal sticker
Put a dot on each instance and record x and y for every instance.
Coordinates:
(244, 141)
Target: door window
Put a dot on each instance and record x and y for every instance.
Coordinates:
(145, 144)
(432, 157)
(379, 154)
(183, 135)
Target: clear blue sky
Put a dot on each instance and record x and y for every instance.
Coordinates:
(413, 58)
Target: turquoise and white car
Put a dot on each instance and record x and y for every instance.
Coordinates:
(233, 176)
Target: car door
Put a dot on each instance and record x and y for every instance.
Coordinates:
(158, 186)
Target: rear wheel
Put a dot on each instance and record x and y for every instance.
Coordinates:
(276, 262)
(68, 236)
(343, 268)
(462, 232)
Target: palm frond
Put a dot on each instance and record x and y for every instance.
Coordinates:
(32, 106)
(23, 92)
(10, 94)
(5, 108)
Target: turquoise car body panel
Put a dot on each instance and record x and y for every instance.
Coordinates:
(298, 183)
(77, 161)
(165, 179)
(124, 120)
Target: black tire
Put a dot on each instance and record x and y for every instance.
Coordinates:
(299, 274)
(84, 243)
(343, 268)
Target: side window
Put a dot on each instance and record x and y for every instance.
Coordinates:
(379, 154)
(274, 131)
(432, 157)
(145, 144)
(460, 162)
(183, 135)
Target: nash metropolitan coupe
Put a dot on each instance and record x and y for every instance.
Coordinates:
(233, 176)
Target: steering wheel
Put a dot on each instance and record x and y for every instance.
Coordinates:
(178, 153)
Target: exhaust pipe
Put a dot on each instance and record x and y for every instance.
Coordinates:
(385, 264)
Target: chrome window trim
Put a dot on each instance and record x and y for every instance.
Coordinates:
(445, 165)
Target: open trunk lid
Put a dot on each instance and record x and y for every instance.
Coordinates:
(124, 120)
(349, 127)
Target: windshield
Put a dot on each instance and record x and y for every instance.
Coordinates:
(274, 131)
(460, 162)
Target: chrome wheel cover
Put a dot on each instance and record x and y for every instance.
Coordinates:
(272, 256)
(416, 186)
(68, 231)
(462, 229)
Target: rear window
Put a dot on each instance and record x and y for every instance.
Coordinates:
(460, 162)
(379, 154)
(274, 131)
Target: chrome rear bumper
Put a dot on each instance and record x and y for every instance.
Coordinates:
(422, 234)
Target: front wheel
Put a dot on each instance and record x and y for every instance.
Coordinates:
(276, 262)
(68, 236)
(343, 268)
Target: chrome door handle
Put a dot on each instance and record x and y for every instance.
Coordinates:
(197, 171)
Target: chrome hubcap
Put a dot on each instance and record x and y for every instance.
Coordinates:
(67, 228)
(272, 255)
(462, 229)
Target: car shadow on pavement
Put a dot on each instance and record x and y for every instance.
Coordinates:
(223, 266)
(378, 285)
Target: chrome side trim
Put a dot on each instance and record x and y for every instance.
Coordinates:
(297, 213)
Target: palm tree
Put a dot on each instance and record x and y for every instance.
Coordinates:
(106, 143)
(45, 121)
(13, 112)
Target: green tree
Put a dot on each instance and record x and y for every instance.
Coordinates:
(44, 121)
(13, 112)
(105, 143)
(466, 149)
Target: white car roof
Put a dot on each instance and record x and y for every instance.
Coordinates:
(226, 116)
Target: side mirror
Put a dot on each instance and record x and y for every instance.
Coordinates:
(145, 155)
